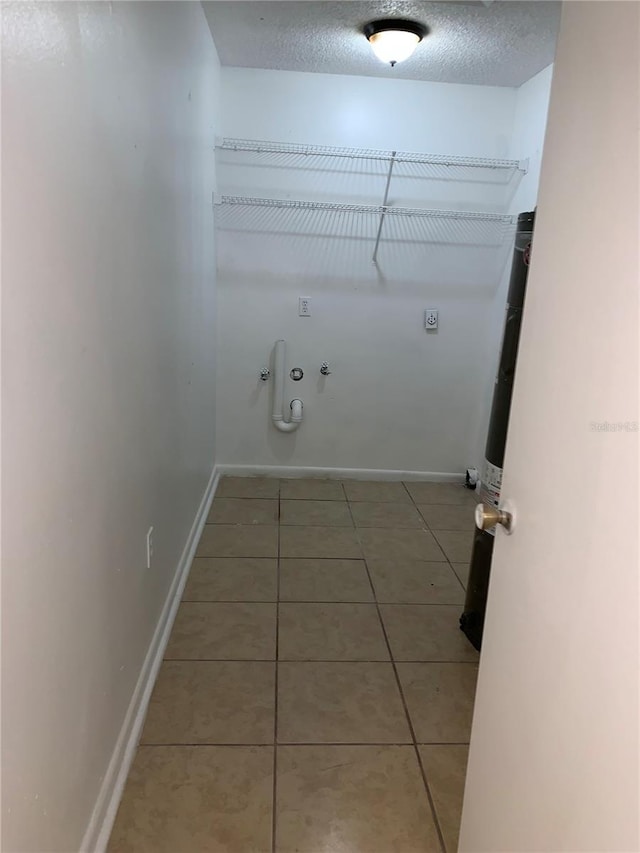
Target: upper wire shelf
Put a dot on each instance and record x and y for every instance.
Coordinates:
(266, 147)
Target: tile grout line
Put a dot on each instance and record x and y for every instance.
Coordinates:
(430, 529)
(397, 526)
(430, 799)
(408, 717)
(309, 743)
(346, 559)
(426, 523)
(457, 578)
(406, 709)
(275, 705)
(319, 660)
(322, 601)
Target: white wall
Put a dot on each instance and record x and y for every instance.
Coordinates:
(108, 273)
(529, 127)
(332, 109)
(398, 398)
(527, 140)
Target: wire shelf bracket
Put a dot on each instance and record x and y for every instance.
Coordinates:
(384, 207)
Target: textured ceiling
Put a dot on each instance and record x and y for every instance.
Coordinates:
(500, 43)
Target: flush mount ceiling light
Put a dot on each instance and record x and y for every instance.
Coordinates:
(394, 40)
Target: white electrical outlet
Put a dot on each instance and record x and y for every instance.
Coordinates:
(430, 319)
(304, 306)
(149, 547)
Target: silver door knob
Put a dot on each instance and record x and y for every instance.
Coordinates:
(488, 516)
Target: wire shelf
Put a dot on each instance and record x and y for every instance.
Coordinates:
(266, 147)
(372, 209)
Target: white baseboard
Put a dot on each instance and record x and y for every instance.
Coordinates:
(292, 471)
(97, 835)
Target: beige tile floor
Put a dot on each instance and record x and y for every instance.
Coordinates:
(316, 693)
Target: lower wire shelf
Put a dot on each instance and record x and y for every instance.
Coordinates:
(378, 223)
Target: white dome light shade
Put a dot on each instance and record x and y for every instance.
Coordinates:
(394, 40)
(393, 45)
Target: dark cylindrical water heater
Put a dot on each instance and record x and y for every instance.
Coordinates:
(472, 619)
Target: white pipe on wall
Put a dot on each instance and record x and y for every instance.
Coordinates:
(277, 414)
(278, 385)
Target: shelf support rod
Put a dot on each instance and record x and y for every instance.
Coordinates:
(384, 206)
